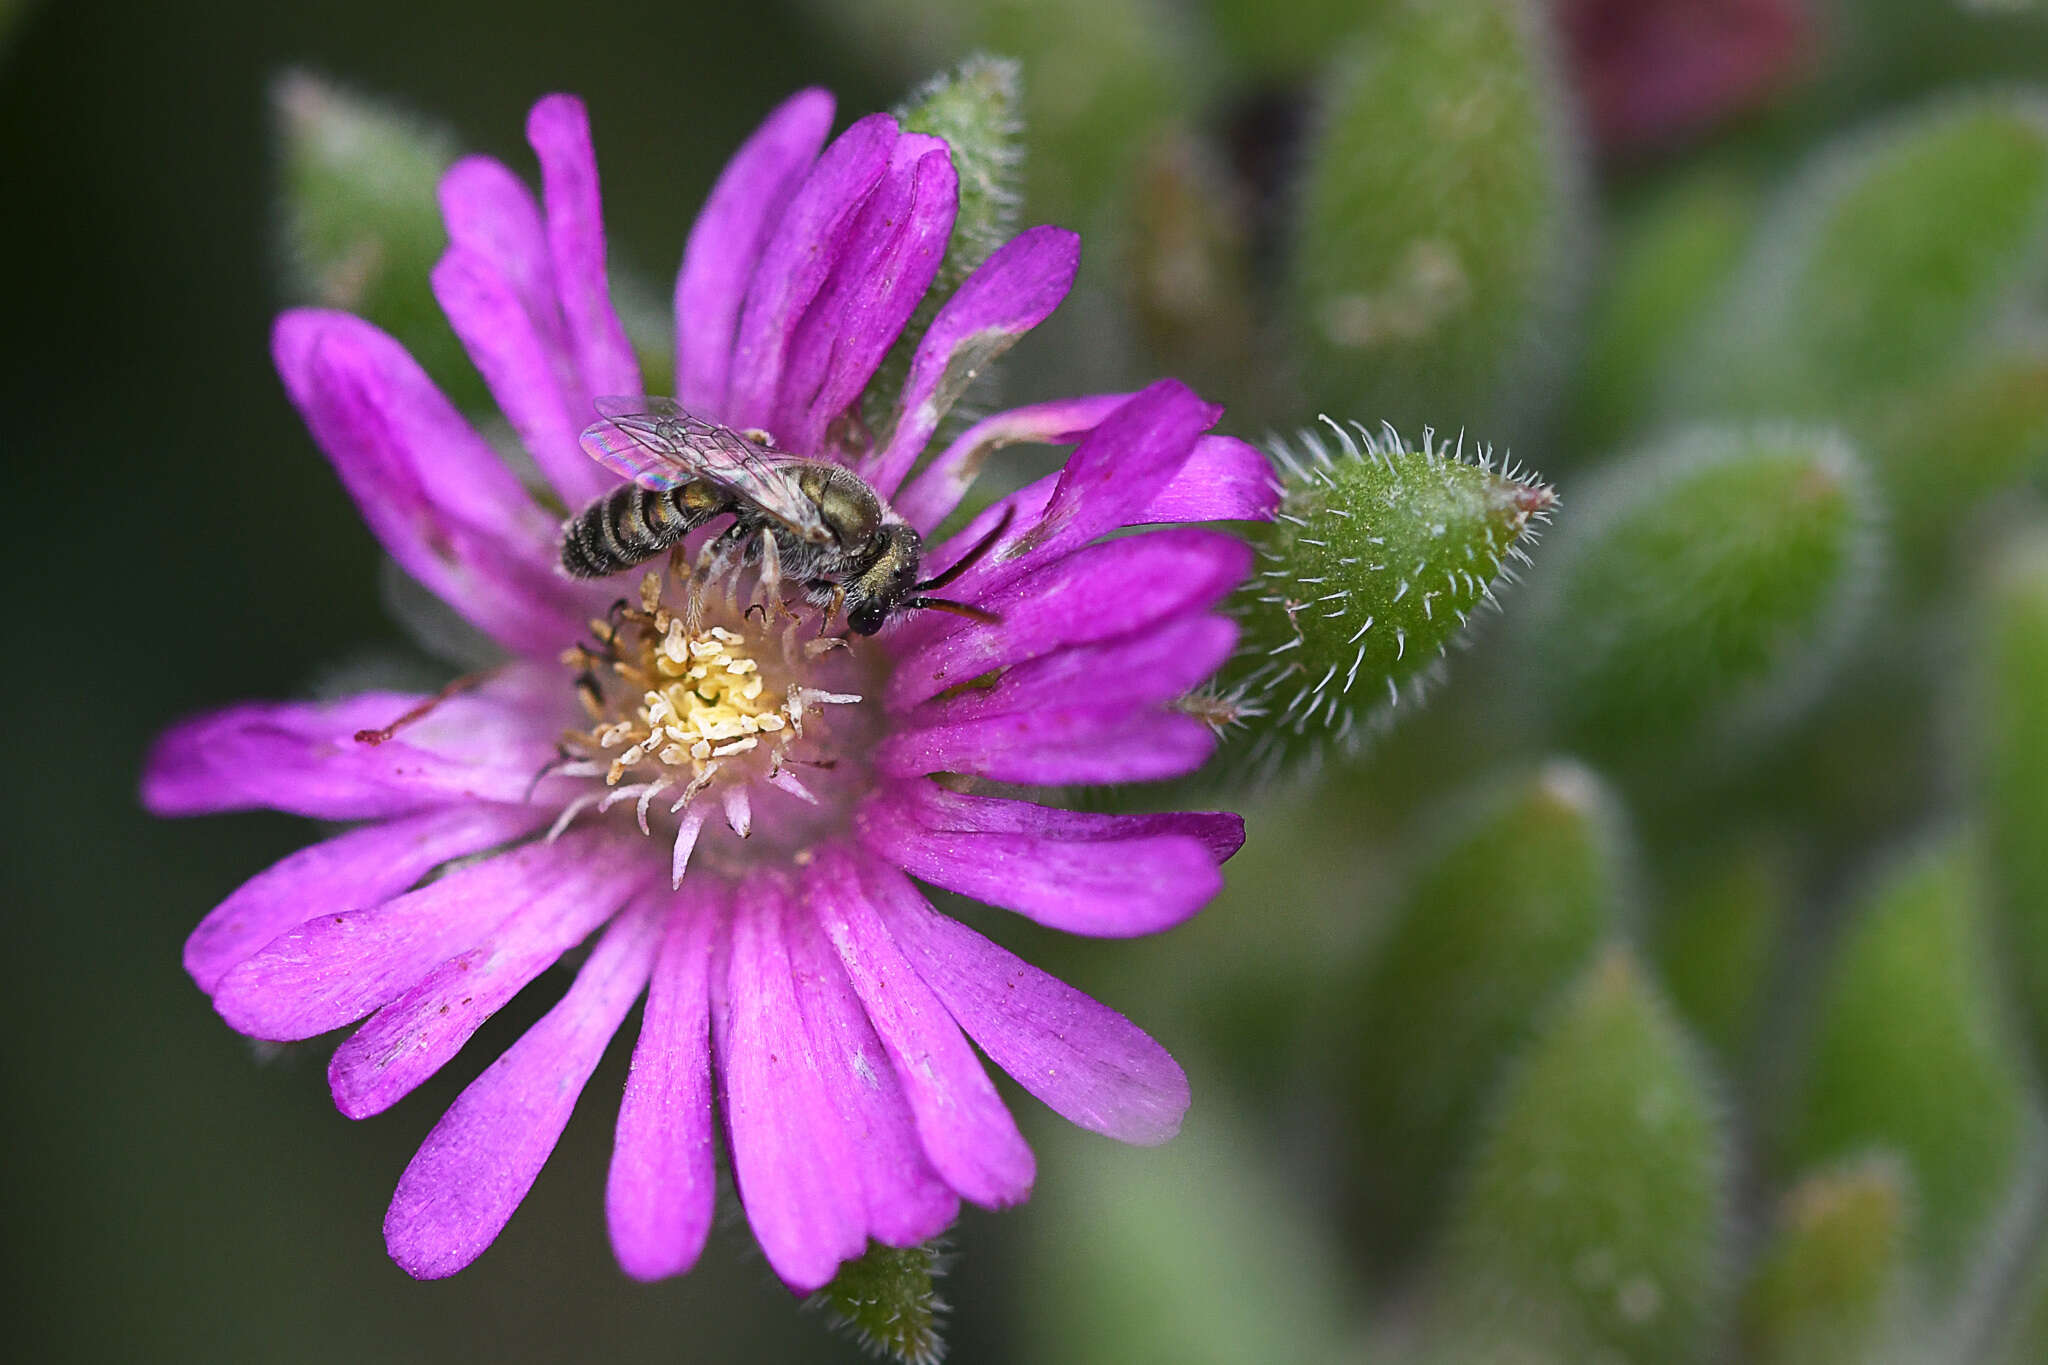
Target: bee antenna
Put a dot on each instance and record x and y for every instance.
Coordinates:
(980, 548)
(952, 608)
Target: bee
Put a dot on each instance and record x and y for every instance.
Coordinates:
(810, 520)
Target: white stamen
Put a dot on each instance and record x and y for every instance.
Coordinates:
(739, 810)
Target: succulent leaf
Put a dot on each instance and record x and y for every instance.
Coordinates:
(1597, 1221)
(1507, 908)
(1910, 1053)
(1439, 216)
(1830, 1286)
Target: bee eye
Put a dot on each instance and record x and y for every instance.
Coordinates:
(865, 619)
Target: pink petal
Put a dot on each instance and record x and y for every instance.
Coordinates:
(1092, 595)
(491, 215)
(1088, 1063)
(891, 257)
(1114, 475)
(482, 1157)
(363, 867)
(799, 257)
(429, 488)
(524, 365)
(1114, 888)
(414, 1036)
(1224, 480)
(936, 807)
(930, 497)
(660, 1195)
(1143, 669)
(559, 130)
(303, 757)
(905, 1200)
(1014, 290)
(335, 969)
(790, 1152)
(964, 1127)
(726, 241)
(1077, 745)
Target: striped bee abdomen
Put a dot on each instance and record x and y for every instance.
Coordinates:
(631, 525)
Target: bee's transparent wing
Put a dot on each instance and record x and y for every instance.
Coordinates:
(658, 444)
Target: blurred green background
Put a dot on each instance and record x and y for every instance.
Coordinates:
(174, 1193)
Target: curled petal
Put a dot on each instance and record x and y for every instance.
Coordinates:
(892, 254)
(473, 1170)
(1011, 292)
(938, 808)
(930, 497)
(725, 244)
(1088, 1063)
(805, 247)
(660, 1194)
(363, 867)
(1112, 888)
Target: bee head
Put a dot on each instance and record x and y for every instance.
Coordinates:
(890, 579)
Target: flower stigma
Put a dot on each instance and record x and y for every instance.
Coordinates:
(687, 712)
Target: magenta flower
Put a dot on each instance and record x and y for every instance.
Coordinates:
(796, 971)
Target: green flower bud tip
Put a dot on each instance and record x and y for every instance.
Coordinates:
(1830, 1285)
(886, 1301)
(1379, 556)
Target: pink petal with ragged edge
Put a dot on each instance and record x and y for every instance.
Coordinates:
(1085, 1061)
(726, 242)
(303, 757)
(473, 1170)
(796, 1176)
(428, 486)
(335, 969)
(363, 867)
(559, 130)
(511, 352)
(934, 491)
(905, 1199)
(662, 1188)
(1103, 888)
(1094, 594)
(414, 1036)
(896, 245)
(1105, 486)
(1143, 669)
(1011, 292)
(966, 1130)
(1054, 746)
(800, 256)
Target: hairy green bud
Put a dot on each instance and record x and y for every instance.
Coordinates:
(360, 224)
(887, 1302)
(976, 110)
(1378, 558)
(2008, 719)
(1883, 263)
(1439, 218)
(1506, 909)
(1910, 1053)
(1597, 1222)
(1701, 594)
(1830, 1286)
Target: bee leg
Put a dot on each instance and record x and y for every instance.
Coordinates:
(832, 607)
(767, 595)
